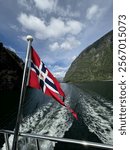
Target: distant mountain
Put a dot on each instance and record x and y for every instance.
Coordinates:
(60, 79)
(94, 63)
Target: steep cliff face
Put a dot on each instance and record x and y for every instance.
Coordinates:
(94, 63)
(11, 69)
(11, 72)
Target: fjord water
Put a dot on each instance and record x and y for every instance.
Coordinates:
(93, 103)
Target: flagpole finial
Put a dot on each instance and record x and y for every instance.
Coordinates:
(29, 38)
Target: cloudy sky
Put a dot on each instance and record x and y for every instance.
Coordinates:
(61, 28)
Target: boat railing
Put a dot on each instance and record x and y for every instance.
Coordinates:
(54, 139)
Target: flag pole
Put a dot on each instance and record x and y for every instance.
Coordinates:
(22, 94)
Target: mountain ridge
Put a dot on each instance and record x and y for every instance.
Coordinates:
(94, 63)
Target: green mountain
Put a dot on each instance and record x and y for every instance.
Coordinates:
(95, 63)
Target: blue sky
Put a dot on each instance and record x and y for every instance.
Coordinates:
(61, 29)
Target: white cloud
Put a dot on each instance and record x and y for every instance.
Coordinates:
(58, 27)
(74, 26)
(25, 3)
(69, 44)
(31, 22)
(67, 12)
(60, 74)
(49, 6)
(74, 57)
(54, 46)
(45, 4)
(24, 38)
(59, 71)
(53, 29)
(94, 12)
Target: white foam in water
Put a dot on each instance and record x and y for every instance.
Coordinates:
(97, 117)
(54, 123)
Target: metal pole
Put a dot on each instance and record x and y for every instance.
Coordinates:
(66, 140)
(22, 95)
(37, 144)
(6, 141)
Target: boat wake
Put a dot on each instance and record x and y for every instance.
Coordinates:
(53, 119)
(97, 115)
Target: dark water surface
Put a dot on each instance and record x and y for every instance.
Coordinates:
(91, 100)
(79, 130)
(103, 88)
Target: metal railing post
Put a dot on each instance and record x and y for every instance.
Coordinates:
(37, 144)
(6, 141)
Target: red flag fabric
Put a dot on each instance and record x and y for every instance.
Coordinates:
(42, 78)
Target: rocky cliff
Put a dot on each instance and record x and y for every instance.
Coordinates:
(11, 72)
(11, 69)
(94, 63)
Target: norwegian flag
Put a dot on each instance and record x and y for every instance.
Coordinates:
(42, 78)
